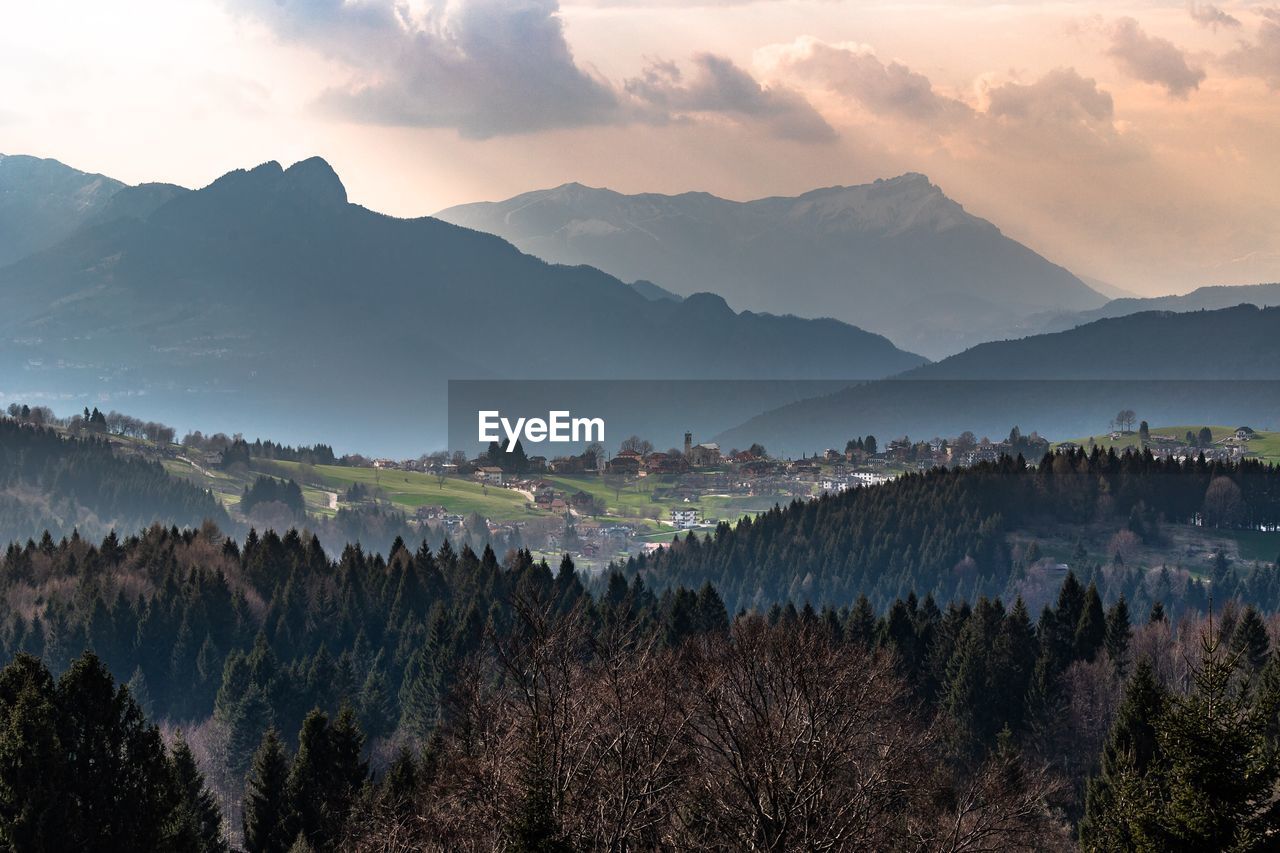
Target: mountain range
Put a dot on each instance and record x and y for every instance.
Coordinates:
(896, 256)
(1171, 368)
(267, 301)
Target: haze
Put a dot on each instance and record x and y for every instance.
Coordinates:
(1131, 142)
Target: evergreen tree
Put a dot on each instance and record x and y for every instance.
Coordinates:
(34, 814)
(118, 776)
(1222, 772)
(347, 772)
(1250, 642)
(197, 822)
(269, 821)
(1119, 633)
(1091, 629)
(1122, 810)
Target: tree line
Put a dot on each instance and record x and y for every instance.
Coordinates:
(49, 482)
(945, 531)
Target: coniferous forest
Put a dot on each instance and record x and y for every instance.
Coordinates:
(51, 482)
(882, 686)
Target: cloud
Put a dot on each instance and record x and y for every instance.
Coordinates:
(1152, 59)
(856, 72)
(1209, 15)
(498, 67)
(1061, 115)
(1260, 58)
(718, 86)
(485, 67)
(1061, 98)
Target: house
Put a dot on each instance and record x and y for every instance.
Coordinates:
(665, 463)
(626, 462)
(684, 518)
(1244, 433)
(430, 513)
(490, 474)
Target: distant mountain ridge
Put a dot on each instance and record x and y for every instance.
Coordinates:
(1170, 367)
(897, 256)
(269, 292)
(1201, 299)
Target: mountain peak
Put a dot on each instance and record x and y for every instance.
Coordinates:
(315, 177)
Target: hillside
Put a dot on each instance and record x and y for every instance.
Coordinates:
(1197, 367)
(43, 201)
(50, 482)
(896, 256)
(1200, 299)
(267, 302)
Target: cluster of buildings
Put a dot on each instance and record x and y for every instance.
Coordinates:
(1230, 448)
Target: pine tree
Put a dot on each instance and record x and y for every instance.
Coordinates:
(377, 717)
(1222, 774)
(861, 627)
(347, 773)
(117, 773)
(1091, 630)
(1122, 801)
(1119, 633)
(269, 822)
(1249, 640)
(34, 814)
(197, 821)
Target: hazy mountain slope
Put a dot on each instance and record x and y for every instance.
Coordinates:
(1230, 343)
(269, 293)
(1200, 299)
(651, 291)
(897, 256)
(1108, 289)
(43, 201)
(1197, 367)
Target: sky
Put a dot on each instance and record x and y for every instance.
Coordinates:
(1133, 142)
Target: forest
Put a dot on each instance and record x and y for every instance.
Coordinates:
(51, 482)
(855, 672)
(264, 695)
(945, 532)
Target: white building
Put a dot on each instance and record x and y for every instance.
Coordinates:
(684, 519)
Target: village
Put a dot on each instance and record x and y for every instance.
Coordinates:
(600, 506)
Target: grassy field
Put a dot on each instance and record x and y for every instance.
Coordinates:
(1265, 445)
(410, 490)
